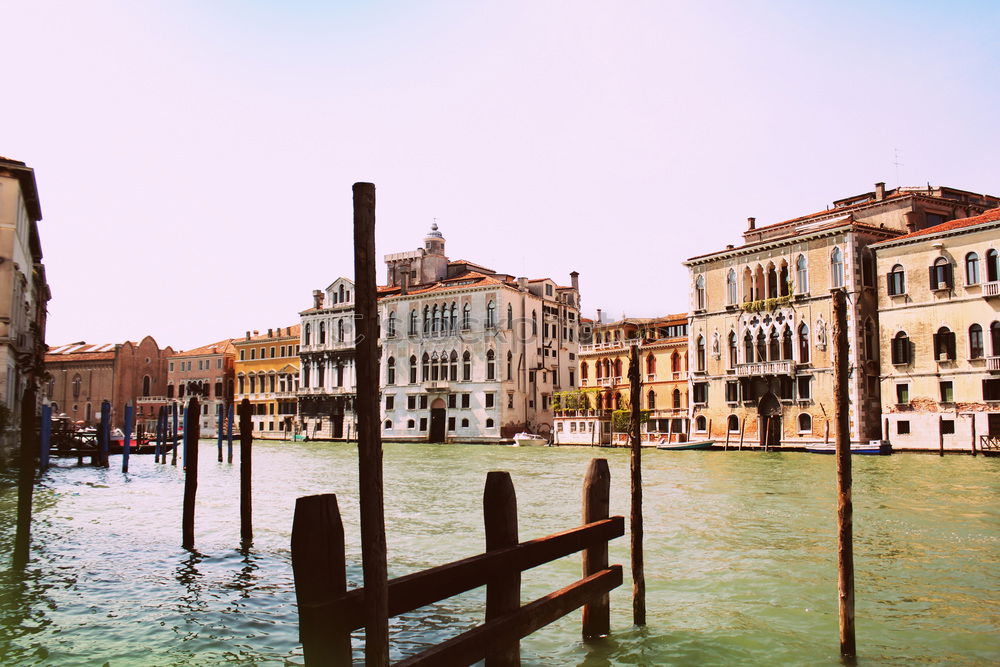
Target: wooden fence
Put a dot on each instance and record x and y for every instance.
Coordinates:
(328, 612)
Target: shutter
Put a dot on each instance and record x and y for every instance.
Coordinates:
(937, 346)
(948, 277)
(896, 357)
(950, 341)
(931, 278)
(888, 284)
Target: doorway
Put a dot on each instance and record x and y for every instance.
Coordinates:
(438, 419)
(769, 411)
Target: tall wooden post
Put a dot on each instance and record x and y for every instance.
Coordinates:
(940, 435)
(45, 435)
(25, 479)
(845, 506)
(596, 506)
(220, 408)
(104, 437)
(246, 471)
(743, 425)
(973, 434)
(726, 448)
(373, 549)
(126, 443)
(192, 429)
(229, 435)
(173, 457)
(503, 594)
(320, 571)
(636, 530)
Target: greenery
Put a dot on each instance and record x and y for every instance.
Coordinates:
(620, 419)
(577, 399)
(764, 305)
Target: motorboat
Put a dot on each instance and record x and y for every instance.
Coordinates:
(525, 439)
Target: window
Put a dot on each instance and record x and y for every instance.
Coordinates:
(944, 345)
(651, 400)
(451, 423)
(390, 325)
(992, 266)
(836, 268)
(242, 355)
(510, 316)
(803, 386)
(306, 337)
(700, 423)
(677, 398)
(786, 343)
(390, 402)
(489, 423)
(491, 315)
(903, 427)
(510, 401)
(733, 360)
(77, 381)
(947, 391)
(940, 274)
(972, 269)
(976, 348)
(413, 322)
(700, 393)
(411, 402)
(423, 423)
(732, 391)
(491, 365)
(947, 427)
(991, 389)
(731, 287)
(733, 424)
(253, 353)
(466, 314)
(466, 366)
(423, 401)
(805, 423)
(650, 364)
(700, 360)
(902, 393)
(388, 424)
(699, 292)
(896, 281)
(390, 371)
(995, 338)
(489, 400)
(801, 275)
(803, 343)
(900, 349)
(510, 368)
(465, 423)
(465, 400)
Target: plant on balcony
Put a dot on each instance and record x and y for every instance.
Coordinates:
(620, 419)
(577, 399)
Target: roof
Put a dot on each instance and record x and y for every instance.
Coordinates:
(293, 331)
(645, 320)
(81, 351)
(29, 189)
(214, 348)
(992, 215)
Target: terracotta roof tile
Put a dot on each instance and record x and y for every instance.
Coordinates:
(213, 348)
(991, 215)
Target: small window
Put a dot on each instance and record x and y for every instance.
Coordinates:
(700, 393)
(410, 423)
(699, 289)
(947, 427)
(465, 423)
(423, 423)
(991, 389)
(900, 349)
(489, 400)
(972, 269)
(451, 423)
(465, 400)
(896, 281)
(944, 345)
(805, 423)
(411, 402)
(423, 401)
(700, 423)
(388, 424)
(733, 424)
(947, 391)
(902, 393)
(390, 402)
(940, 274)
(803, 384)
(732, 391)
(976, 349)
(836, 268)
(903, 427)
(489, 423)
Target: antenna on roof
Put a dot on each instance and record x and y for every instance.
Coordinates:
(897, 164)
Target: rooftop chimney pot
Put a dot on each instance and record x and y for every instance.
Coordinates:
(879, 191)
(751, 223)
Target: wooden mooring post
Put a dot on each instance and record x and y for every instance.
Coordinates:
(192, 429)
(743, 426)
(246, 472)
(635, 466)
(25, 479)
(220, 408)
(596, 507)
(229, 434)
(174, 436)
(845, 506)
(157, 447)
(104, 434)
(503, 592)
(373, 547)
(973, 434)
(127, 442)
(45, 438)
(940, 435)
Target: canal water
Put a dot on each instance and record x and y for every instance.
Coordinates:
(740, 556)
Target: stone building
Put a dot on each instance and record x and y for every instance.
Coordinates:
(206, 372)
(939, 311)
(327, 386)
(24, 297)
(603, 372)
(83, 375)
(760, 361)
(267, 374)
(469, 354)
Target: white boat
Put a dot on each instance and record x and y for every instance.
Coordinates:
(529, 440)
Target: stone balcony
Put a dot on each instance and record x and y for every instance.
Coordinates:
(993, 363)
(991, 289)
(786, 367)
(436, 385)
(613, 345)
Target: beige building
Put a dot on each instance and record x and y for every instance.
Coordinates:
(24, 297)
(267, 374)
(760, 359)
(939, 303)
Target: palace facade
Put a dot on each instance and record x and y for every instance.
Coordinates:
(206, 372)
(327, 385)
(760, 361)
(939, 310)
(267, 374)
(469, 354)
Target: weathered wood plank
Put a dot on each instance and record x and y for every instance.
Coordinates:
(596, 506)
(503, 592)
(845, 506)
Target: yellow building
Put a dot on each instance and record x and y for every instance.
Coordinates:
(267, 373)
(939, 311)
(603, 367)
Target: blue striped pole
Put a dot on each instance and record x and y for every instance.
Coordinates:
(229, 432)
(46, 437)
(128, 436)
(173, 458)
(159, 434)
(218, 409)
(105, 438)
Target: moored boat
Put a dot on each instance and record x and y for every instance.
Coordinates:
(699, 444)
(525, 439)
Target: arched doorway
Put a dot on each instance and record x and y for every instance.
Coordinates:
(437, 420)
(769, 428)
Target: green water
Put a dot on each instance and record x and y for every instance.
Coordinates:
(740, 557)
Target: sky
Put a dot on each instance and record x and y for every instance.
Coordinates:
(195, 159)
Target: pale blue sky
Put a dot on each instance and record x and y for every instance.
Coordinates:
(205, 151)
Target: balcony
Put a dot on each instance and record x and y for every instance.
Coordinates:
(613, 345)
(786, 367)
(609, 382)
(991, 289)
(993, 363)
(436, 385)
(314, 391)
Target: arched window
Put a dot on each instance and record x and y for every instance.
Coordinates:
(306, 338)
(618, 368)
(218, 390)
(733, 424)
(836, 268)
(803, 343)
(491, 315)
(761, 346)
(390, 325)
(805, 423)
(700, 423)
(453, 364)
(534, 323)
(390, 371)
(341, 293)
(322, 333)
(995, 339)
(88, 413)
(388, 424)
(992, 266)
(651, 364)
(489, 423)
(700, 358)
(510, 365)
(699, 293)
(413, 369)
(466, 366)
(427, 320)
(786, 343)
(731, 287)
(510, 316)
(618, 401)
(466, 313)
(435, 319)
(677, 399)
(170, 389)
(801, 275)
(944, 344)
(651, 400)
(584, 369)
(413, 322)
(675, 363)
(940, 274)
(783, 279)
(340, 331)
(145, 385)
(976, 348)
(900, 351)
(453, 317)
(491, 365)
(733, 359)
(871, 340)
(896, 281)
(972, 269)
(425, 367)
(772, 281)
(774, 349)
(747, 348)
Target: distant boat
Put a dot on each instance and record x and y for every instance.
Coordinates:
(875, 447)
(700, 444)
(524, 439)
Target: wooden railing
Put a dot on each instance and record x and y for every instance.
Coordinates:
(328, 613)
(989, 443)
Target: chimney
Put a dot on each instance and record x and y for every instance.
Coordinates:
(911, 225)
(317, 298)
(256, 333)
(729, 246)
(751, 224)
(404, 288)
(574, 280)
(522, 283)
(248, 335)
(270, 333)
(879, 191)
(598, 315)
